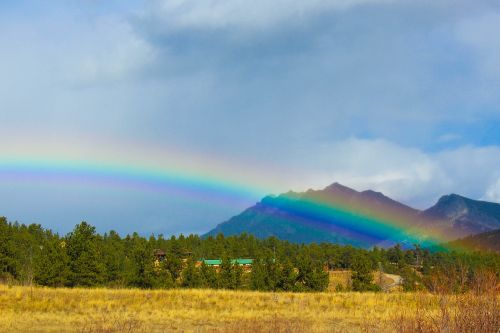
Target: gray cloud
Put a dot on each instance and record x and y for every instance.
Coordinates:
(286, 85)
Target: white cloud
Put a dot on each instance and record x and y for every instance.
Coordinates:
(106, 50)
(407, 174)
(70, 49)
(493, 192)
(245, 14)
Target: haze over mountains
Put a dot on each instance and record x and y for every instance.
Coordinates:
(343, 215)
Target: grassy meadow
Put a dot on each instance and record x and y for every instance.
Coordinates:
(24, 309)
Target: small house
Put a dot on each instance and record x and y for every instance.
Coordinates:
(216, 263)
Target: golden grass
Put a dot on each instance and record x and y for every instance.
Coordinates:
(342, 280)
(339, 279)
(107, 310)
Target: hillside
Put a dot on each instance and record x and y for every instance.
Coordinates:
(487, 241)
(462, 216)
(343, 215)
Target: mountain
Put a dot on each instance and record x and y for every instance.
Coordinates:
(335, 214)
(486, 241)
(343, 215)
(462, 216)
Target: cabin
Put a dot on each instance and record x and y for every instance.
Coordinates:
(160, 256)
(246, 264)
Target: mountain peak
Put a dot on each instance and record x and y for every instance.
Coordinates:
(339, 188)
(450, 197)
(450, 202)
(375, 194)
(466, 216)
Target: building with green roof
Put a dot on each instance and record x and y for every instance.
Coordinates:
(218, 262)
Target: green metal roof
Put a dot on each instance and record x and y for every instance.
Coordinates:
(239, 261)
(242, 261)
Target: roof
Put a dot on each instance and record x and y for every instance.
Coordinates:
(159, 252)
(242, 261)
(239, 261)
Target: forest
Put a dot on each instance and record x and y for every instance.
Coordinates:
(32, 255)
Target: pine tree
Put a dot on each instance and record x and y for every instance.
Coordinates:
(113, 255)
(362, 273)
(236, 277)
(173, 264)
(141, 261)
(208, 276)
(226, 274)
(86, 268)
(272, 273)
(162, 278)
(191, 277)
(6, 250)
(288, 277)
(258, 276)
(311, 276)
(53, 264)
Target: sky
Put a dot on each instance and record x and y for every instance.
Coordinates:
(259, 97)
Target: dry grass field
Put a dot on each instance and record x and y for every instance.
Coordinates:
(105, 311)
(341, 280)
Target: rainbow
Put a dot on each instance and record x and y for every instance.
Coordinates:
(174, 173)
(133, 167)
(200, 186)
(362, 224)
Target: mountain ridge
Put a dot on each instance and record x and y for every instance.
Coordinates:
(340, 214)
(486, 241)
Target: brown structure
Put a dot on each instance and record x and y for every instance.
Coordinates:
(159, 254)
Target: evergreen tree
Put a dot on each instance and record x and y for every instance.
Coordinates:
(173, 264)
(226, 274)
(113, 255)
(236, 277)
(6, 250)
(86, 268)
(395, 254)
(162, 278)
(191, 277)
(288, 277)
(272, 273)
(53, 266)
(209, 276)
(411, 281)
(311, 276)
(141, 261)
(258, 276)
(362, 273)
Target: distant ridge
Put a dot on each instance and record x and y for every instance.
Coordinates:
(486, 241)
(364, 218)
(462, 216)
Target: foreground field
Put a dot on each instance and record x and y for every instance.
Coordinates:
(103, 310)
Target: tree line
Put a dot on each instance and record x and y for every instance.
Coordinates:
(30, 254)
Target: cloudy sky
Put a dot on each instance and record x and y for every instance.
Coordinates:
(398, 96)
